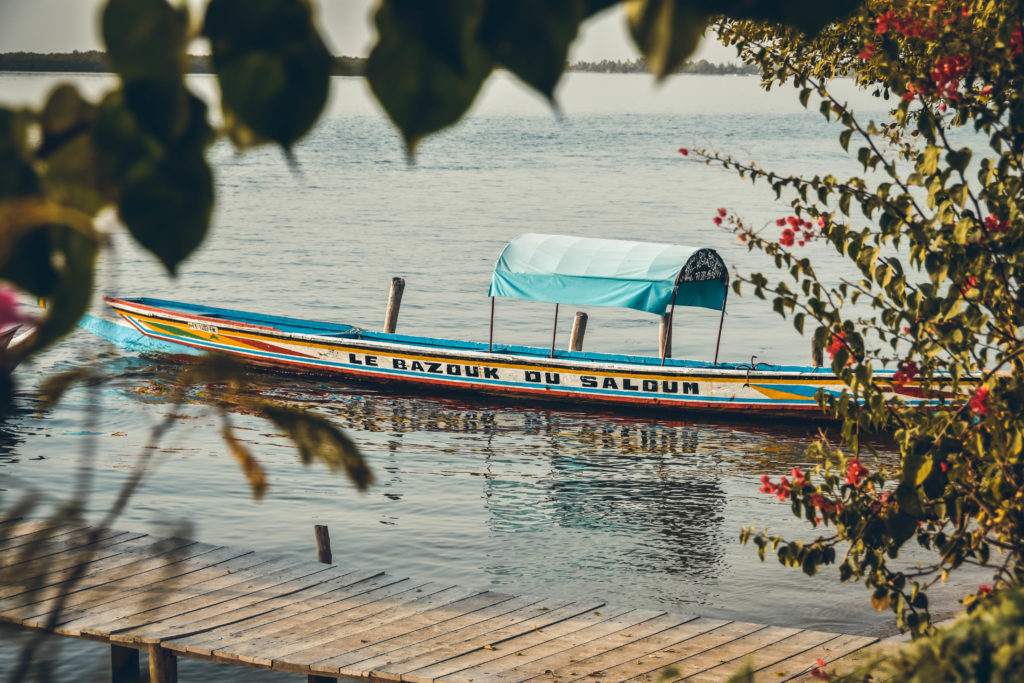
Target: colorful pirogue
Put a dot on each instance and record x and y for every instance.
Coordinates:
(643, 276)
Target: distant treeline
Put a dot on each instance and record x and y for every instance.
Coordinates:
(639, 66)
(94, 61)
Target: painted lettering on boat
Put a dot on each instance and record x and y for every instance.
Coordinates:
(540, 377)
(202, 327)
(649, 386)
(432, 368)
(534, 377)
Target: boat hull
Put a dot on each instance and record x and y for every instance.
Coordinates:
(509, 373)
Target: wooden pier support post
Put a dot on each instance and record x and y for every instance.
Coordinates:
(394, 303)
(163, 665)
(817, 357)
(665, 336)
(323, 544)
(313, 678)
(579, 328)
(124, 665)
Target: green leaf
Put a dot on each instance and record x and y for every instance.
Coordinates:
(146, 39)
(273, 67)
(319, 440)
(165, 192)
(167, 210)
(17, 179)
(665, 31)
(146, 42)
(427, 67)
(959, 159)
(71, 292)
(531, 37)
(69, 151)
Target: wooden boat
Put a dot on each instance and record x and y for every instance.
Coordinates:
(656, 278)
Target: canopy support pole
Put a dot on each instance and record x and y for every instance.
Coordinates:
(554, 332)
(721, 321)
(666, 327)
(490, 336)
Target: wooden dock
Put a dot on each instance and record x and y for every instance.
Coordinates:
(181, 598)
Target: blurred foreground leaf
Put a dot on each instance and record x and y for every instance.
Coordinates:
(251, 467)
(427, 67)
(319, 440)
(272, 65)
(532, 37)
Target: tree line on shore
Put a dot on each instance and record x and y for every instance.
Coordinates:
(639, 66)
(95, 61)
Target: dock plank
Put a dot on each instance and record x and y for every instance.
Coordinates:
(213, 593)
(204, 644)
(122, 554)
(53, 545)
(184, 598)
(528, 660)
(112, 604)
(95, 578)
(765, 657)
(482, 647)
(640, 644)
(302, 648)
(424, 627)
(732, 651)
(33, 572)
(245, 608)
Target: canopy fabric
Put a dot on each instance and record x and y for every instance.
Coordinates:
(597, 272)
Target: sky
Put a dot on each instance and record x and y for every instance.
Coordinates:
(67, 25)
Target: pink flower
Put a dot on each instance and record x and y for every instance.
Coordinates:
(993, 224)
(717, 220)
(907, 372)
(979, 401)
(868, 50)
(855, 472)
(985, 589)
(798, 477)
(684, 151)
(10, 311)
(722, 212)
(838, 342)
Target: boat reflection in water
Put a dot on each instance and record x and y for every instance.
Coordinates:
(653, 491)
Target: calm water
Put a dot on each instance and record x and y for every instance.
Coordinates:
(642, 512)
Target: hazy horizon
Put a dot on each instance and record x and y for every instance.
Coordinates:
(347, 25)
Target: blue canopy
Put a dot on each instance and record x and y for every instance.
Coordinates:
(596, 272)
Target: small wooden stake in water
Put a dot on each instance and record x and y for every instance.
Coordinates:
(394, 303)
(579, 328)
(323, 544)
(665, 336)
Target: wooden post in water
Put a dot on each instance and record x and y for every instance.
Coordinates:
(163, 665)
(124, 665)
(665, 336)
(323, 544)
(394, 303)
(579, 328)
